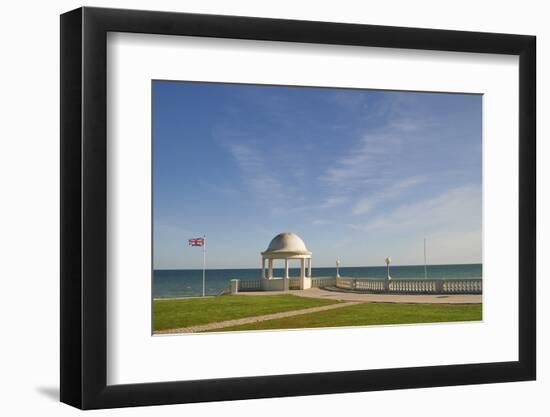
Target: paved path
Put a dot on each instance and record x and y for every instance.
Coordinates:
(247, 320)
(379, 298)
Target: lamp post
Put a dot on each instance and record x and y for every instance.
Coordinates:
(337, 268)
(388, 262)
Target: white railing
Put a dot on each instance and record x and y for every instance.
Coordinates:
(370, 285)
(413, 286)
(347, 283)
(250, 285)
(463, 286)
(396, 286)
(321, 282)
(294, 283)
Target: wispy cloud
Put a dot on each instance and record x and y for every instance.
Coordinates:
(255, 173)
(313, 208)
(333, 201)
(368, 161)
(398, 133)
(455, 209)
(221, 189)
(390, 192)
(377, 157)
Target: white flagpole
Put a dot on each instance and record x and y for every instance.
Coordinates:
(204, 265)
(425, 269)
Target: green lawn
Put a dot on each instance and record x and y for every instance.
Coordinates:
(371, 313)
(170, 314)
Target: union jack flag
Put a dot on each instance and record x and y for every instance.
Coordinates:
(198, 241)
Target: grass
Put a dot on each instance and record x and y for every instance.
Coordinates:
(185, 312)
(371, 314)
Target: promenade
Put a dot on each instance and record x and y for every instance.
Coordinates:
(379, 298)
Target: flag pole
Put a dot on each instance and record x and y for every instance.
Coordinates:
(425, 268)
(204, 265)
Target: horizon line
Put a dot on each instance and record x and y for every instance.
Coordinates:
(349, 266)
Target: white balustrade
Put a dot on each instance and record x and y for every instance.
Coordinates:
(404, 286)
(464, 286)
(414, 286)
(250, 285)
(294, 284)
(369, 285)
(321, 282)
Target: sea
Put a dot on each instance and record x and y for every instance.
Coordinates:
(188, 282)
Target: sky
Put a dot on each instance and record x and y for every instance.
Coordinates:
(358, 174)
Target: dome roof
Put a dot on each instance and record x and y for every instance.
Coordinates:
(287, 243)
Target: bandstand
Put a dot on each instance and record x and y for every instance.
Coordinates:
(286, 247)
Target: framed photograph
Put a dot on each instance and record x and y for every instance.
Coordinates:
(259, 208)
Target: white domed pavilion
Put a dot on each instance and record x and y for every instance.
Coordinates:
(286, 246)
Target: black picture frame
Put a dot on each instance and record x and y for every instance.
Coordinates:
(84, 207)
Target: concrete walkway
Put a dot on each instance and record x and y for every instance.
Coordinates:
(248, 320)
(379, 298)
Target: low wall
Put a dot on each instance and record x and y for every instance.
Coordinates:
(294, 283)
(396, 286)
(244, 285)
(413, 286)
(320, 282)
(249, 285)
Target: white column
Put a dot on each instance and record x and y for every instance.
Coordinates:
(286, 268)
(234, 286)
(302, 273)
(263, 267)
(309, 267)
(270, 266)
(286, 279)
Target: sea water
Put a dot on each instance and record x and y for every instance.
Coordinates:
(188, 282)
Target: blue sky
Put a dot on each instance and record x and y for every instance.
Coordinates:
(358, 174)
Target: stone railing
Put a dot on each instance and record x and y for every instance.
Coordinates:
(370, 285)
(462, 286)
(249, 285)
(320, 282)
(346, 283)
(422, 286)
(395, 286)
(413, 286)
(294, 284)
